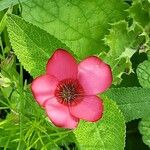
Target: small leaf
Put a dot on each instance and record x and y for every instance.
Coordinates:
(32, 45)
(133, 102)
(144, 128)
(106, 134)
(143, 73)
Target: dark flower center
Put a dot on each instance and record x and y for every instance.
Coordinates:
(69, 91)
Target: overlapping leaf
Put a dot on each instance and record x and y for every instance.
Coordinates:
(123, 42)
(32, 45)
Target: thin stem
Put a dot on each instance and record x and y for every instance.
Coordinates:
(21, 94)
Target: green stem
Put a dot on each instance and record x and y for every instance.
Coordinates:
(21, 93)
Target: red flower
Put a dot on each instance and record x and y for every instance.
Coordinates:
(68, 90)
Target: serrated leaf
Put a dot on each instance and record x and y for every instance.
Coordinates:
(123, 42)
(3, 22)
(81, 25)
(143, 73)
(32, 45)
(134, 102)
(106, 134)
(144, 128)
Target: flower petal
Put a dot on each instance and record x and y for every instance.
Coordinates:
(90, 109)
(94, 75)
(43, 88)
(59, 114)
(62, 65)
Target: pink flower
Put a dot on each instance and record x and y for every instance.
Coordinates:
(68, 90)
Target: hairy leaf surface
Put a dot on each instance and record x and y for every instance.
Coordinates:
(134, 102)
(144, 128)
(32, 45)
(106, 134)
(143, 73)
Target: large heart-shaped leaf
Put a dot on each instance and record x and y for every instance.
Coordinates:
(81, 25)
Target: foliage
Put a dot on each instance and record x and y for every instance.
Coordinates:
(29, 128)
(81, 24)
(123, 42)
(134, 102)
(102, 132)
(144, 128)
(8, 3)
(32, 45)
(116, 31)
(143, 72)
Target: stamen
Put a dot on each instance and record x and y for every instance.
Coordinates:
(69, 91)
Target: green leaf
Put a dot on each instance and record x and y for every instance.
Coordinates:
(81, 25)
(143, 73)
(32, 45)
(3, 22)
(139, 11)
(36, 129)
(133, 102)
(123, 42)
(144, 128)
(148, 53)
(8, 3)
(106, 134)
